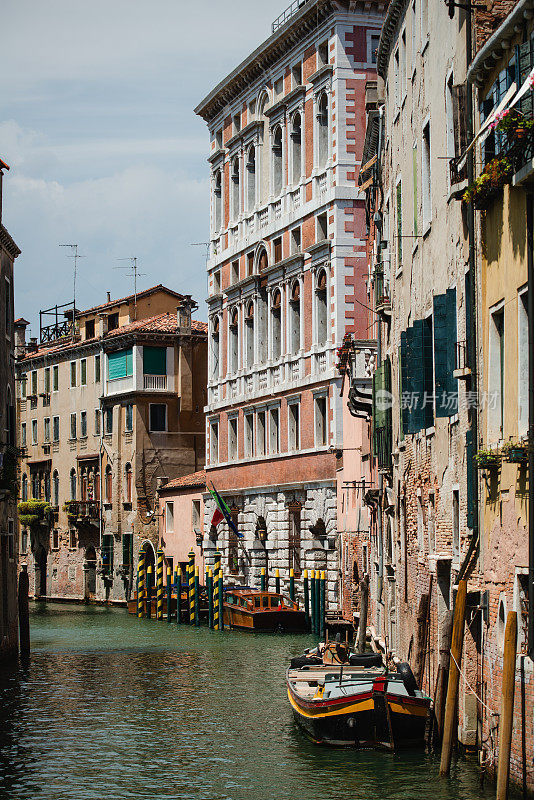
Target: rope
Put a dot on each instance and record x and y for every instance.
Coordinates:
(480, 700)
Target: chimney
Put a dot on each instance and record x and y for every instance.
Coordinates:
(183, 313)
(161, 481)
(20, 336)
(109, 296)
(32, 347)
(102, 324)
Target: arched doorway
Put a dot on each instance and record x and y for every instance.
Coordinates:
(40, 572)
(150, 558)
(89, 568)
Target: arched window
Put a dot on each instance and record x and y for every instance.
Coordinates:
(215, 349)
(233, 342)
(73, 484)
(128, 483)
(47, 486)
(217, 201)
(263, 261)
(24, 489)
(55, 489)
(322, 307)
(262, 156)
(96, 484)
(261, 326)
(296, 149)
(235, 180)
(249, 335)
(109, 485)
(83, 484)
(276, 324)
(36, 486)
(294, 315)
(322, 130)
(251, 178)
(277, 161)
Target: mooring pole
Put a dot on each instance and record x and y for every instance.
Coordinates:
(141, 585)
(24, 613)
(306, 598)
(312, 599)
(197, 597)
(457, 643)
(159, 585)
(277, 581)
(507, 705)
(322, 604)
(317, 602)
(149, 591)
(177, 590)
(216, 567)
(191, 586)
(169, 593)
(262, 579)
(209, 581)
(292, 583)
(364, 605)
(221, 599)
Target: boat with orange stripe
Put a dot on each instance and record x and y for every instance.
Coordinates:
(357, 702)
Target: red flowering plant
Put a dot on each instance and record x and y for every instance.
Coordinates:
(496, 174)
(343, 354)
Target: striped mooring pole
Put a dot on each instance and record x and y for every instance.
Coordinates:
(221, 599)
(312, 600)
(216, 568)
(277, 581)
(306, 598)
(159, 584)
(263, 579)
(197, 597)
(169, 593)
(177, 589)
(317, 602)
(322, 603)
(209, 586)
(191, 583)
(292, 583)
(141, 585)
(149, 591)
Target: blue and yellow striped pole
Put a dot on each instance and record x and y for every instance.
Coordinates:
(209, 586)
(159, 584)
(312, 598)
(322, 604)
(149, 591)
(292, 583)
(169, 593)
(263, 580)
(191, 583)
(306, 597)
(197, 597)
(141, 585)
(221, 599)
(177, 588)
(317, 602)
(277, 581)
(216, 568)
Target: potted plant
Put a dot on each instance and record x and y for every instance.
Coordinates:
(495, 175)
(515, 452)
(487, 459)
(71, 507)
(514, 125)
(34, 512)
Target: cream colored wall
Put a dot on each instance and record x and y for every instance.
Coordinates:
(181, 540)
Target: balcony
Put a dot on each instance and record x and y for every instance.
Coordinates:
(382, 294)
(462, 371)
(83, 512)
(155, 383)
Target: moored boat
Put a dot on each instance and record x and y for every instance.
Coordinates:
(357, 703)
(254, 610)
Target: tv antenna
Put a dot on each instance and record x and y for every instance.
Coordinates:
(202, 244)
(133, 274)
(75, 255)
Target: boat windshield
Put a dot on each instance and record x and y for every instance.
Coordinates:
(265, 601)
(257, 602)
(231, 599)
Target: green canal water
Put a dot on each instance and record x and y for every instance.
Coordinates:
(112, 708)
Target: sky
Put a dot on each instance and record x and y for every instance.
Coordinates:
(97, 126)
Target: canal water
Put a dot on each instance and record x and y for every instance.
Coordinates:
(112, 708)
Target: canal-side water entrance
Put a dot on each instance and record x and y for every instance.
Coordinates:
(112, 708)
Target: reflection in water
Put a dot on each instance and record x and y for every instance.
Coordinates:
(112, 708)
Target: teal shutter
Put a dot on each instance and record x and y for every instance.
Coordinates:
(469, 455)
(416, 367)
(428, 374)
(127, 549)
(107, 553)
(445, 335)
(155, 360)
(407, 386)
(120, 364)
(451, 351)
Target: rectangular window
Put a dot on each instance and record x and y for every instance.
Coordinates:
(128, 413)
(415, 198)
(496, 376)
(399, 225)
(261, 433)
(169, 517)
(23, 385)
(214, 442)
(107, 553)
(321, 437)
(73, 426)
(295, 241)
(73, 373)
(23, 435)
(113, 321)
(322, 55)
(232, 438)
(55, 539)
(522, 343)
(34, 431)
(455, 525)
(250, 264)
(83, 372)
(249, 435)
(294, 538)
(24, 542)
(274, 430)
(217, 282)
(109, 421)
(158, 417)
(195, 516)
(234, 272)
(155, 360)
(277, 244)
(426, 178)
(97, 369)
(293, 433)
(47, 429)
(127, 549)
(90, 329)
(34, 383)
(83, 424)
(8, 305)
(97, 422)
(55, 429)
(375, 39)
(72, 538)
(322, 227)
(296, 75)
(120, 364)
(47, 380)
(431, 524)
(55, 378)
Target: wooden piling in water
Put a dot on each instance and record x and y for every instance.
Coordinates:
(443, 671)
(292, 583)
(191, 587)
(169, 593)
(364, 606)
(263, 580)
(197, 597)
(24, 613)
(306, 598)
(277, 581)
(148, 608)
(221, 599)
(159, 584)
(322, 604)
(312, 599)
(141, 585)
(177, 589)
(507, 705)
(209, 583)
(216, 608)
(454, 677)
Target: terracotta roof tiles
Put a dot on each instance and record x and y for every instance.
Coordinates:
(187, 481)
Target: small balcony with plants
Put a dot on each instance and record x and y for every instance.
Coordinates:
(35, 514)
(382, 290)
(83, 512)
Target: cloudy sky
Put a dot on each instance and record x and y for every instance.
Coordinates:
(105, 151)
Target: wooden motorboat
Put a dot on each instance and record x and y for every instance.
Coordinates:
(254, 610)
(357, 703)
(184, 603)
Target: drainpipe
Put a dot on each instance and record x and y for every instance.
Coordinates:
(380, 582)
(530, 313)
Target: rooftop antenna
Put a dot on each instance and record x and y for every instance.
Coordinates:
(75, 255)
(133, 274)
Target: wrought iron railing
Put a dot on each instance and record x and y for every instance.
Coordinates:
(289, 12)
(382, 295)
(383, 442)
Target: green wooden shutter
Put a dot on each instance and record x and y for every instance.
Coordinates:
(407, 386)
(399, 225)
(120, 364)
(107, 552)
(523, 60)
(415, 200)
(428, 394)
(127, 549)
(155, 360)
(441, 377)
(416, 367)
(452, 387)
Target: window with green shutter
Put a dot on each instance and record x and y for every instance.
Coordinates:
(120, 364)
(445, 334)
(155, 360)
(107, 553)
(382, 425)
(127, 549)
(399, 225)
